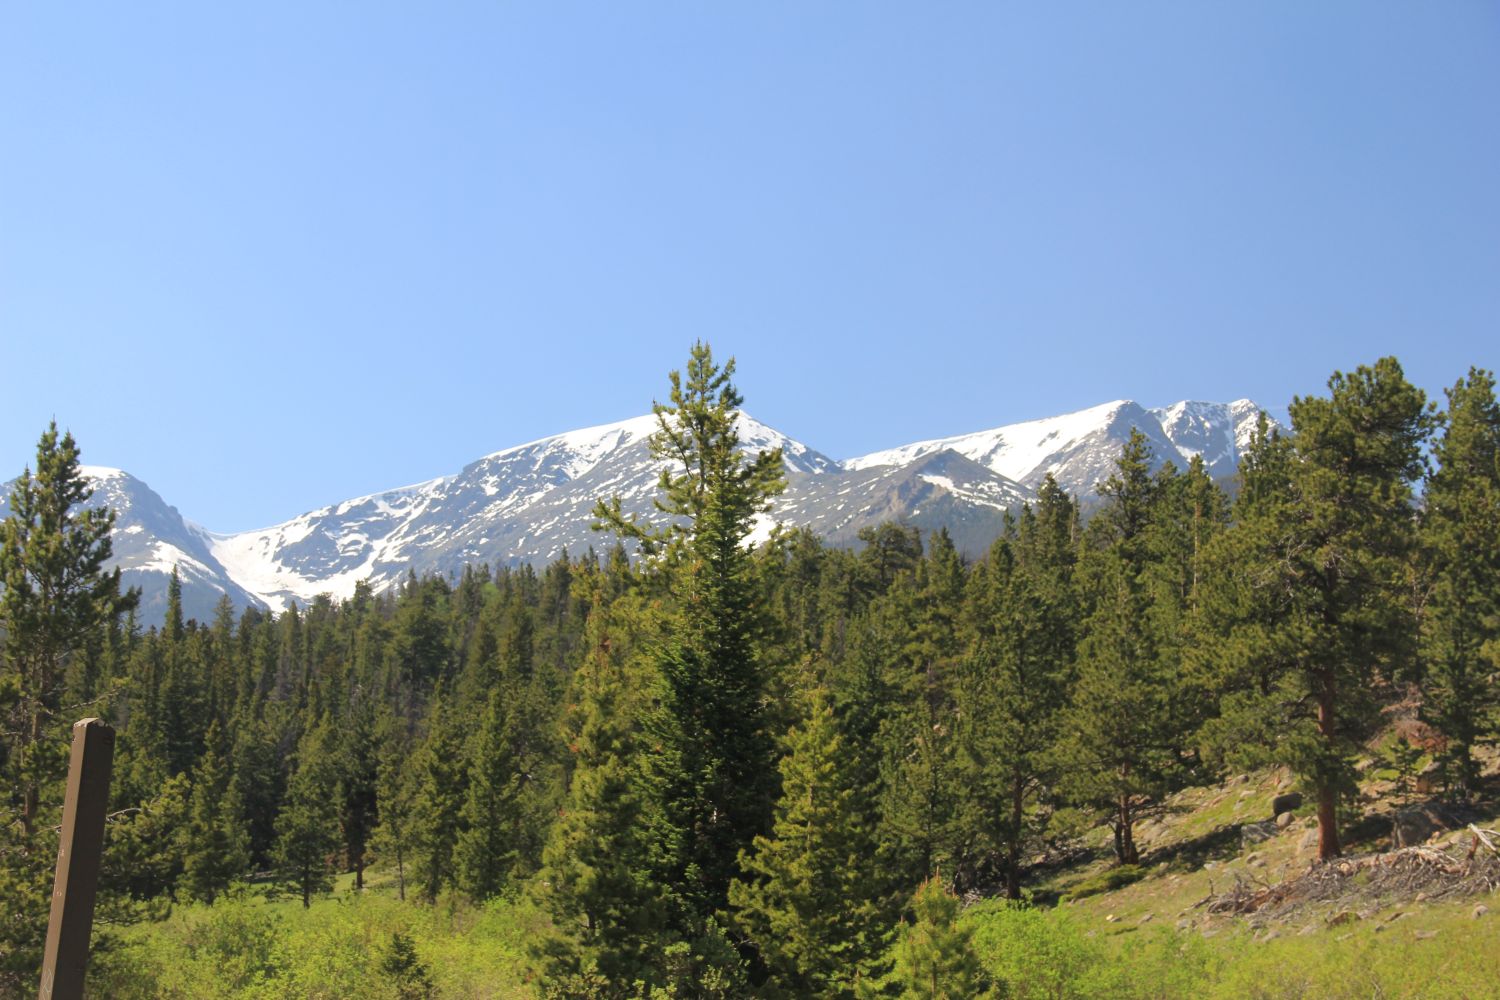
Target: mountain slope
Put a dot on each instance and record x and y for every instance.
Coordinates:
(530, 502)
(149, 539)
(1079, 449)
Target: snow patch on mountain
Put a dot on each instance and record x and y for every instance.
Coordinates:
(1014, 451)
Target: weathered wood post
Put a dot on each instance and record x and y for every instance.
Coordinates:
(78, 854)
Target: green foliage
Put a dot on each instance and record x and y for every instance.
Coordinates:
(708, 777)
(609, 920)
(437, 777)
(307, 828)
(934, 953)
(406, 971)
(1020, 615)
(55, 606)
(1460, 537)
(595, 745)
(215, 847)
(1313, 597)
(809, 903)
(1127, 723)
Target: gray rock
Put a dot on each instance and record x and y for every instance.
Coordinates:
(1255, 833)
(1284, 820)
(1286, 803)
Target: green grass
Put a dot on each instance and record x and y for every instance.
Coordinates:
(1058, 954)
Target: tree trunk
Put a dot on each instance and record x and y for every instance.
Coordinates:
(1328, 820)
(30, 797)
(1013, 851)
(1127, 852)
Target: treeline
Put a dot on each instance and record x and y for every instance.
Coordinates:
(724, 770)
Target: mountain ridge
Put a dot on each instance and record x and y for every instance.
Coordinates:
(532, 501)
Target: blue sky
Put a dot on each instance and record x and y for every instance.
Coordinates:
(270, 257)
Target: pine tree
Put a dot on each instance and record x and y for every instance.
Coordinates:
(1313, 603)
(709, 764)
(215, 847)
(391, 837)
(610, 919)
(920, 736)
(809, 903)
(934, 954)
(307, 829)
(511, 793)
(437, 776)
(1461, 549)
(56, 597)
(57, 600)
(1120, 753)
(1022, 621)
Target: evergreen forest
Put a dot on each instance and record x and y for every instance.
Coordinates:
(676, 765)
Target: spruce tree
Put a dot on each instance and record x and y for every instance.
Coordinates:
(511, 793)
(1460, 531)
(810, 900)
(1022, 616)
(57, 600)
(609, 918)
(920, 772)
(215, 846)
(934, 954)
(1119, 753)
(709, 769)
(391, 837)
(307, 828)
(56, 597)
(437, 777)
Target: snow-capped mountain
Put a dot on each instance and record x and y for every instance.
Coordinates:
(150, 538)
(529, 502)
(1079, 449)
(523, 504)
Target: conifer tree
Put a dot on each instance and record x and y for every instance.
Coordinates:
(56, 601)
(709, 767)
(1120, 748)
(307, 828)
(356, 766)
(610, 920)
(934, 954)
(1313, 607)
(1461, 549)
(511, 793)
(1022, 619)
(391, 837)
(920, 735)
(810, 901)
(437, 777)
(56, 597)
(215, 847)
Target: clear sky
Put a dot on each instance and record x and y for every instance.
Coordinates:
(269, 256)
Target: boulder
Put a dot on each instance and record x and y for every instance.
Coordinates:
(1286, 803)
(1284, 820)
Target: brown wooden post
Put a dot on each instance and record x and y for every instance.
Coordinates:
(78, 855)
